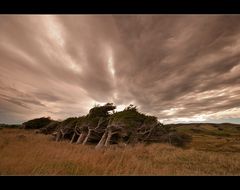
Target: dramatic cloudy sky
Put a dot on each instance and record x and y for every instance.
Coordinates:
(181, 68)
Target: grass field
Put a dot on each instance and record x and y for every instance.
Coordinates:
(23, 152)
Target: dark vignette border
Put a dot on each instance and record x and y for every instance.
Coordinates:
(120, 7)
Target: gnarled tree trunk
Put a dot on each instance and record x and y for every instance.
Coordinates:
(107, 142)
(81, 137)
(102, 141)
(73, 137)
(59, 135)
(87, 137)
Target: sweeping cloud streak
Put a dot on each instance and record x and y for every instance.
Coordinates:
(181, 68)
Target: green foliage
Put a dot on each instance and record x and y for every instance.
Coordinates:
(71, 122)
(81, 120)
(37, 123)
(101, 111)
(96, 113)
(150, 120)
(130, 117)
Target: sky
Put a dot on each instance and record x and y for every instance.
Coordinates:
(180, 68)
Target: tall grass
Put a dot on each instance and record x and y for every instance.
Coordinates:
(25, 153)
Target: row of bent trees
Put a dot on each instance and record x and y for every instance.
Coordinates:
(103, 126)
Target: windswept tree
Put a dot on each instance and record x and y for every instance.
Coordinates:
(104, 126)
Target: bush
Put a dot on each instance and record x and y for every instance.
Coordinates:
(176, 139)
(36, 123)
(50, 128)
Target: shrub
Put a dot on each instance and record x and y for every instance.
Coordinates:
(50, 128)
(36, 123)
(176, 138)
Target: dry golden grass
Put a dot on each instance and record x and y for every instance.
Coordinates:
(25, 153)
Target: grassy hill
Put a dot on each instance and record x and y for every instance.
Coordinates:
(224, 137)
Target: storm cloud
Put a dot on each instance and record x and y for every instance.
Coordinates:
(181, 68)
